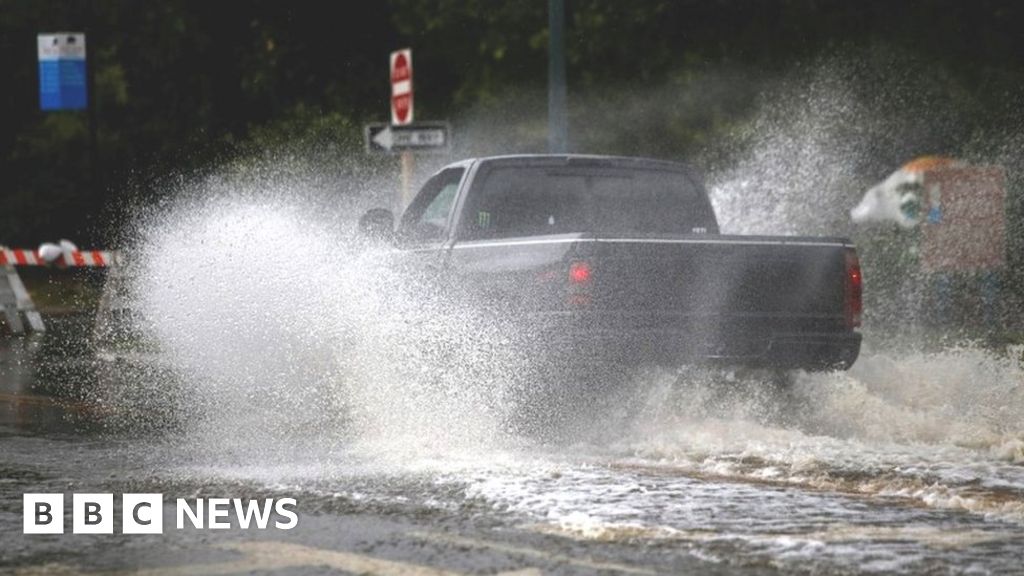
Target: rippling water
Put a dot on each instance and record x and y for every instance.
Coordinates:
(908, 463)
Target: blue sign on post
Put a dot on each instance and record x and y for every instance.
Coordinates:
(62, 81)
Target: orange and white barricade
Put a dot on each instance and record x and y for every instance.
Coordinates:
(15, 301)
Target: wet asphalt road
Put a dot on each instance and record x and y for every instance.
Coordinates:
(715, 494)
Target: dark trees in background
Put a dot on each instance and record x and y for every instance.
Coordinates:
(183, 84)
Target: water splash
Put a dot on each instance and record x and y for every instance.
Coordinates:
(300, 353)
(286, 338)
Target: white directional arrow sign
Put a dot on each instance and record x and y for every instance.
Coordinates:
(424, 136)
(383, 138)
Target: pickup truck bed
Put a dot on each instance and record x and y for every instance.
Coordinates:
(599, 258)
(743, 300)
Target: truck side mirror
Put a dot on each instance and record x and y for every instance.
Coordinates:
(377, 224)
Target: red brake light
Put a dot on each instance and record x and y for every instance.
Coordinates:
(853, 304)
(579, 273)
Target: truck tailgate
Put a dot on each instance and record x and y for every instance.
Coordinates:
(749, 282)
(745, 300)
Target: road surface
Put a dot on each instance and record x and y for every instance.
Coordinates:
(841, 474)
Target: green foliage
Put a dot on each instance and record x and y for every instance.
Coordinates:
(181, 85)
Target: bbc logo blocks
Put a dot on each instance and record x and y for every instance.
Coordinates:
(93, 514)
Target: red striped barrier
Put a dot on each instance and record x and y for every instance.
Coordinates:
(71, 259)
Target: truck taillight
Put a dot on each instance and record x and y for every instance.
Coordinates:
(580, 279)
(579, 273)
(853, 304)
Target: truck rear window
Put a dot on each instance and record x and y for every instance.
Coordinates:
(524, 201)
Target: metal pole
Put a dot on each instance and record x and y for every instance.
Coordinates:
(558, 122)
(408, 166)
(90, 103)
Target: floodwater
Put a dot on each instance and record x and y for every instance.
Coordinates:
(266, 355)
(909, 463)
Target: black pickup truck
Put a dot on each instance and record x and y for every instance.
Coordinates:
(621, 259)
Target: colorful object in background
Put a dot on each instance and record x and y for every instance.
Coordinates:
(961, 211)
(62, 77)
(898, 198)
(960, 208)
(965, 230)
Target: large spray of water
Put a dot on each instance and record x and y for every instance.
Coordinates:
(292, 344)
(285, 338)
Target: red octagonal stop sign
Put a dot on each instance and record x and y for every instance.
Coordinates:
(401, 87)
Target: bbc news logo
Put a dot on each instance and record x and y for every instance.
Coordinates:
(144, 513)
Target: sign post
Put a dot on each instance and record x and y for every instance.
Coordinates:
(65, 83)
(402, 136)
(402, 113)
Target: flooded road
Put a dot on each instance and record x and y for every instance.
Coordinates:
(906, 464)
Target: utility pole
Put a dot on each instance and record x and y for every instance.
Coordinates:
(558, 122)
(94, 153)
